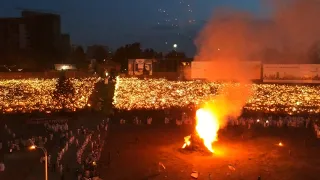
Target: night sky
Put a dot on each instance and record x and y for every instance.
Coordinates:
(155, 23)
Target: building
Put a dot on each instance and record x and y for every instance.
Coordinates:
(44, 33)
(34, 34)
(137, 67)
(12, 35)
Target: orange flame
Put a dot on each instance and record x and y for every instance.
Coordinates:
(187, 142)
(207, 127)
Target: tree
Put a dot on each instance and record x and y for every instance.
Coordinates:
(78, 57)
(64, 92)
(175, 54)
(129, 51)
(100, 53)
(159, 55)
(149, 53)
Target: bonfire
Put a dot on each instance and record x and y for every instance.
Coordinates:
(206, 132)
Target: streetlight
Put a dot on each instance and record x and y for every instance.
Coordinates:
(175, 46)
(33, 147)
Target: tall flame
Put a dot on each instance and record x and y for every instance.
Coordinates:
(207, 127)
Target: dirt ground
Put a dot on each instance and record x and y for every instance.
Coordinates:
(136, 150)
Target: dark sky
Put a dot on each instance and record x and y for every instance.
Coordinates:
(155, 23)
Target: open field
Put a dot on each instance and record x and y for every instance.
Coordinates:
(252, 153)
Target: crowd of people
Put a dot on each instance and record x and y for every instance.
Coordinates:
(136, 101)
(30, 95)
(179, 117)
(133, 93)
(58, 139)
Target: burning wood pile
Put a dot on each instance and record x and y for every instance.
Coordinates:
(193, 143)
(205, 133)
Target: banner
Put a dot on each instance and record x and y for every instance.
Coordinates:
(140, 66)
(291, 73)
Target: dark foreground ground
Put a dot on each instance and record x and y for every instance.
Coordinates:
(252, 153)
(25, 164)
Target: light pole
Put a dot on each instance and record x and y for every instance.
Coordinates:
(33, 147)
(175, 46)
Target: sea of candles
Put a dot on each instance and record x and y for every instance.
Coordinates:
(29, 95)
(133, 93)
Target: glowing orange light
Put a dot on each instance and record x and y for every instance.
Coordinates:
(33, 147)
(187, 141)
(207, 127)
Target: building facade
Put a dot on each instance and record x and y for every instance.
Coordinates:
(34, 35)
(12, 34)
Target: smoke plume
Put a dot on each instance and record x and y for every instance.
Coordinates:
(232, 37)
(286, 37)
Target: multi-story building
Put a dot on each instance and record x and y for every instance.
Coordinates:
(12, 34)
(34, 34)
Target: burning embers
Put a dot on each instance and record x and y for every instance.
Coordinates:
(187, 142)
(207, 127)
(193, 143)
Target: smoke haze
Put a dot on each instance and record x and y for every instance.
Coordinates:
(232, 37)
(286, 37)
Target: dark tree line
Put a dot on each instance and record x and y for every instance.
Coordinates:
(122, 54)
(134, 51)
(81, 59)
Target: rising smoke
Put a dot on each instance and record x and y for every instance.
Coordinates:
(286, 37)
(232, 37)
